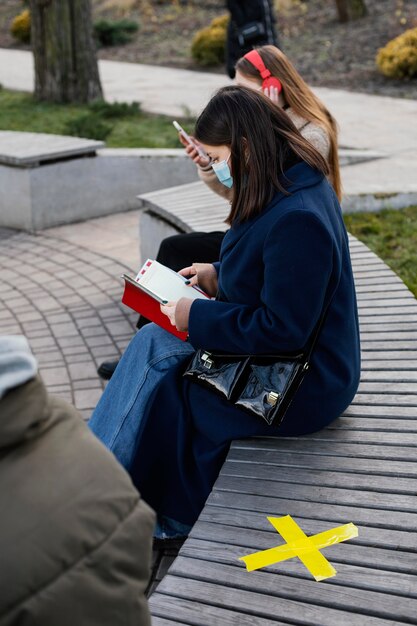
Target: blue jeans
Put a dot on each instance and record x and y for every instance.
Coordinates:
(118, 417)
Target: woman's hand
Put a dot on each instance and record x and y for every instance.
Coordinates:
(273, 94)
(193, 153)
(204, 275)
(178, 313)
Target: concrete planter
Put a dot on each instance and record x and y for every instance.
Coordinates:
(47, 180)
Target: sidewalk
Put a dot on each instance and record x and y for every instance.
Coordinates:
(386, 125)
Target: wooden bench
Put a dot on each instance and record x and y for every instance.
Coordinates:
(361, 469)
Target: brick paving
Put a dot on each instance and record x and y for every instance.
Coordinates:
(66, 299)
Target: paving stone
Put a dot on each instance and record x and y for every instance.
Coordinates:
(67, 342)
(32, 333)
(103, 353)
(10, 329)
(37, 325)
(30, 316)
(87, 398)
(49, 359)
(42, 342)
(82, 371)
(46, 303)
(87, 322)
(66, 329)
(121, 327)
(58, 389)
(55, 376)
(92, 331)
(89, 383)
(100, 340)
(59, 318)
(4, 315)
(84, 357)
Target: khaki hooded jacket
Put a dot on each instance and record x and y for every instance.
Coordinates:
(75, 535)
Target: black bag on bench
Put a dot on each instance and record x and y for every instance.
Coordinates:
(263, 385)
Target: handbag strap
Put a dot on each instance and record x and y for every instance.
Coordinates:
(317, 330)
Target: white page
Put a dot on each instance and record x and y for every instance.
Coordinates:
(165, 284)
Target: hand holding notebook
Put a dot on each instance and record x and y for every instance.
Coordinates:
(154, 285)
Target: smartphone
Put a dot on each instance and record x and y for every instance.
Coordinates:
(188, 139)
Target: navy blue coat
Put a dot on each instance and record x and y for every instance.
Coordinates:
(277, 272)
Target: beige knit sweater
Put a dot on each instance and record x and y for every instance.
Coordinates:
(314, 133)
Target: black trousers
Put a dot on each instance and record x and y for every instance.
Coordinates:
(180, 251)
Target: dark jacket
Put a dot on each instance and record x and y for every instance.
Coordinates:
(242, 13)
(277, 273)
(75, 536)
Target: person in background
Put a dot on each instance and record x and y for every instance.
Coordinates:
(252, 23)
(284, 265)
(76, 537)
(269, 70)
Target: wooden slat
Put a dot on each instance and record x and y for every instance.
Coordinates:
(383, 501)
(205, 545)
(321, 478)
(254, 603)
(264, 504)
(305, 458)
(313, 522)
(335, 445)
(296, 587)
(199, 613)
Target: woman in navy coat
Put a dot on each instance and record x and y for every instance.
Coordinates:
(284, 259)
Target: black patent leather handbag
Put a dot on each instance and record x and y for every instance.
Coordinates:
(263, 385)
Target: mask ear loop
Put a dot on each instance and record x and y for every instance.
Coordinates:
(267, 79)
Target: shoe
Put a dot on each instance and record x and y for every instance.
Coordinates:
(106, 369)
(170, 544)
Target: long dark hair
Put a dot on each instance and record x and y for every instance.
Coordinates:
(300, 98)
(262, 139)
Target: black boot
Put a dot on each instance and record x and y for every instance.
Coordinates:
(106, 369)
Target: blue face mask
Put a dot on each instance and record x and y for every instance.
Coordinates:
(222, 171)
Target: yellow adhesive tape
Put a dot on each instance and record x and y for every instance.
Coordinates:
(307, 549)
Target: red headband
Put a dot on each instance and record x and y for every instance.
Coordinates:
(267, 79)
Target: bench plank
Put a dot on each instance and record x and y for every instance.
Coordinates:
(299, 586)
(253, 603)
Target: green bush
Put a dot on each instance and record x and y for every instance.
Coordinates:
(114, 32)
(89, 126)
(116, 109)
(209, 44)
(398, 59)
(20, 28)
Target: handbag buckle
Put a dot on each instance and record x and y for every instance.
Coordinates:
(207, 361)
(273, 397)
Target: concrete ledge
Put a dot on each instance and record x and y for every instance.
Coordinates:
(62, 192)
(378, 201)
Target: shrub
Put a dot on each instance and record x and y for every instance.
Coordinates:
(114, 32)
(398, 59)
(89, 126)
(20, 28)
(115, 109)
(208, 45)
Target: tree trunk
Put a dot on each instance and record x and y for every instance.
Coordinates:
(64, 51)
(350, 9)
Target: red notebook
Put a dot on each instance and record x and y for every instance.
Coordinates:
(153, 285)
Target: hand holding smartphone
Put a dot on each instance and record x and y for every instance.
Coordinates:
(189, 140)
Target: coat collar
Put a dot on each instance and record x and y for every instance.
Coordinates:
(300, 176)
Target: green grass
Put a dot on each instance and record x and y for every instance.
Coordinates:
(392, 235)
(131, 129)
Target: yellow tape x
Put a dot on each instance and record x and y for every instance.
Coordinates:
(298, 544)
